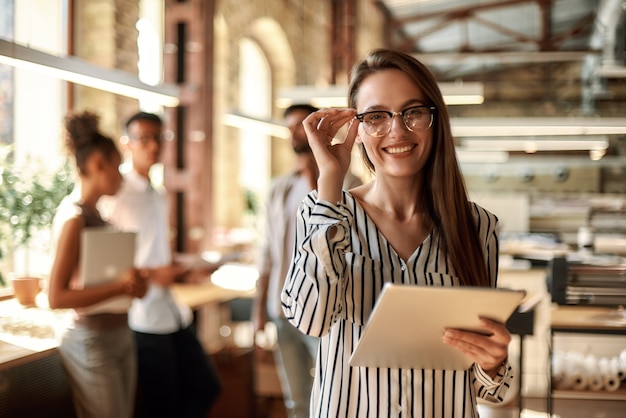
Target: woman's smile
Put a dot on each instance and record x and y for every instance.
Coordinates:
(399, 149)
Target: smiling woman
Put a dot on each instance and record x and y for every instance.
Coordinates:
(412, 225)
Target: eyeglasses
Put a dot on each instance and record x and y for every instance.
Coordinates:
(378, 122)
(145, 139)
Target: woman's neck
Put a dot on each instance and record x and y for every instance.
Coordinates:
(401, 199)
(88, 195)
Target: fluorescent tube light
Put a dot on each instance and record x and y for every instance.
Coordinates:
(465, 93)
(75, 70)
(337, 96)
(532, 145)
(548, 163)
(268, 127)
(471, 156)
(507, 127)
(331, 96)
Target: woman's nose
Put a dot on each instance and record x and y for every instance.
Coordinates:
(398, 123)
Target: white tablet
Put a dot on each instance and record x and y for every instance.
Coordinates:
(105, 254)
(406, 327)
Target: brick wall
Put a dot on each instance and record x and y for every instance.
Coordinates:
(305, 27)
(105, 35)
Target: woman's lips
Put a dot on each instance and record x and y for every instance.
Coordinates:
(399, 150)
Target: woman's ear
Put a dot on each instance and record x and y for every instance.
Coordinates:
(95, 163)
(358, 139)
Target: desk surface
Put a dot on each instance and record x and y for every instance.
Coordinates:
(195, 295)
(588, 318)
(30, 333)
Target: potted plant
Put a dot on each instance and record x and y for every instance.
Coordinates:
(29, 195)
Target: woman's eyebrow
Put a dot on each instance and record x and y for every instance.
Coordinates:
(407, 104)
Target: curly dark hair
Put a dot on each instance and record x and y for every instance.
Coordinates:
(83, 138)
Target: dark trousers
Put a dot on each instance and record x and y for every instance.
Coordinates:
(176, 378)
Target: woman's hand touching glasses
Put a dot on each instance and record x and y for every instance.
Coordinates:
(331, 154)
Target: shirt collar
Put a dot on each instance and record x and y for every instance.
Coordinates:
(137, 181)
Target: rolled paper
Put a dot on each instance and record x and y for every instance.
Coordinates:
(614, 367)
(574, 363)
(592, 372)
(622, 362)
(573, 381)
(559, 381)
(558, 371)
(558, 364)
(591, 363)
(574, 357)
(595, 382)
(611, 382)
(579, 381)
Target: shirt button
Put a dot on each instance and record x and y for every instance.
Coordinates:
(403, 267)
(397, 409)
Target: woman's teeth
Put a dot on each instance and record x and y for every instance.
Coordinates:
(399, 150)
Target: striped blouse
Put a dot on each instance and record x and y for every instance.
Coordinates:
(330, 290)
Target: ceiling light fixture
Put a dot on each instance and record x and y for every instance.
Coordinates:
(470, 156)
(533, 145)
(75, 70)
(517, 127)
(267, 127)
(457, 93)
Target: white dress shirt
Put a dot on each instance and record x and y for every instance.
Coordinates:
(140, 208)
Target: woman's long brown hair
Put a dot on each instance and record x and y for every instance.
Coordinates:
(447, 203)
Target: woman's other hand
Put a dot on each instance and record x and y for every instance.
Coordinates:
(488, 351)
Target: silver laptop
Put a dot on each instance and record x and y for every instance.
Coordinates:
(105, 254)
(406, 327)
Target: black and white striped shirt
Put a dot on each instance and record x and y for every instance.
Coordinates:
(332, 287)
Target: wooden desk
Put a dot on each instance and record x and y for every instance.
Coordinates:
(29, 347)
(196, 295)
(27, 334)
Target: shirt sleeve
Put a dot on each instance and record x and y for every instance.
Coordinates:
(312, 297)
(493, 390)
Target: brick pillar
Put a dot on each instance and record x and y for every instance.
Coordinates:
(187, 158)
(342, 39)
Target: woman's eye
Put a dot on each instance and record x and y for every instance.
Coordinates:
(414, 112)
(375, 117)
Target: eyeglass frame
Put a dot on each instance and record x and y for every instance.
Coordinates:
(401, 113)
(146, 139)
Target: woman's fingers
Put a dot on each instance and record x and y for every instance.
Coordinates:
(328, 121)
(487, 350)
(321, 128)
(332, 123)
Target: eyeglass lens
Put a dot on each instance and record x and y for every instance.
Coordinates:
(378, 123)
(145, 139)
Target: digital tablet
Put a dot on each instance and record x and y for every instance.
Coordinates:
(405, 329)
(105, 254)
